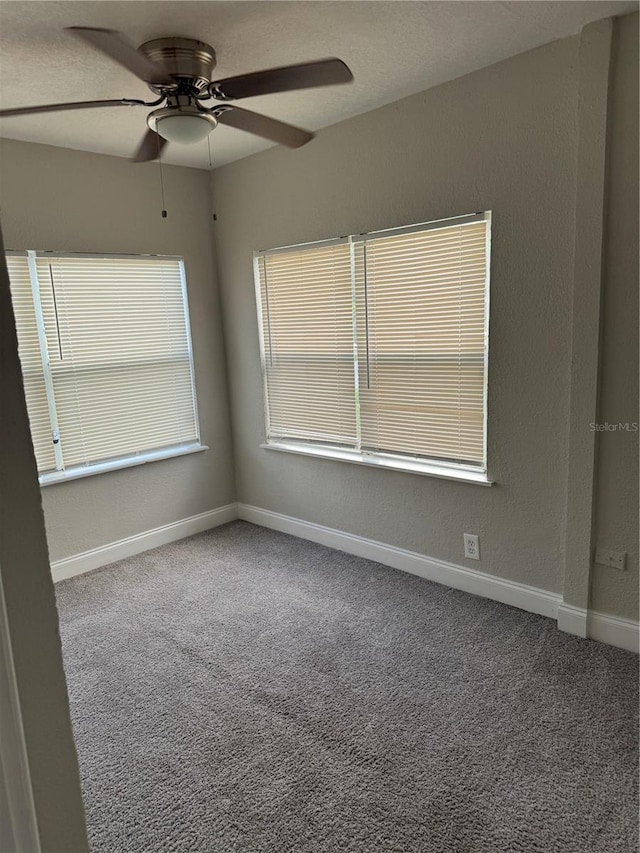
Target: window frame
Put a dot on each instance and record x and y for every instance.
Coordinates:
(431, 467)
(127, 460)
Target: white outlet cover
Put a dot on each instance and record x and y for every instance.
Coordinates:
(471, 546)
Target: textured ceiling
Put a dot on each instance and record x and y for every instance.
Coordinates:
(393, 48)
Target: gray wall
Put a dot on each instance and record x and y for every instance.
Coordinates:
(499, 139)
(31, 616)
(505, 139)
(616, 518)
(54, 198)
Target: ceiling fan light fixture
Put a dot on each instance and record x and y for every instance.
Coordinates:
(185, 127)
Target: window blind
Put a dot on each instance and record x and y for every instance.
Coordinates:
(423, 342)
(380, 342)
(117, 355)
(307, 331)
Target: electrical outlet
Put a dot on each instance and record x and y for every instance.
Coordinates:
(613, 559)
(471, 546)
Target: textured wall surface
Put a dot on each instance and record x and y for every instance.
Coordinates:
(54, 198)
(503, 139)
(616, 517)
(594, 53)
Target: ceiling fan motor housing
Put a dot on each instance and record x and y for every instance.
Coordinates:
(182, 59)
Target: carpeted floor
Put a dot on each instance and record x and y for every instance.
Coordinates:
(247, 691)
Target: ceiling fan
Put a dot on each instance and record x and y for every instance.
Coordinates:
(179, 71)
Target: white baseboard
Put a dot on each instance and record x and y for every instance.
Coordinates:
(519, 595)
(102, 556)
(613, 630)
(624, 633)
(572, 620)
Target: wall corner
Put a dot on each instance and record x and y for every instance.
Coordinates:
(593, 96)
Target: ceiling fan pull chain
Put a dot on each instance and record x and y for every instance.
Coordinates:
(164, 212)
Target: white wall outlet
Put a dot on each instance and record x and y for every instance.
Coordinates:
(471, 546)
(613, 559)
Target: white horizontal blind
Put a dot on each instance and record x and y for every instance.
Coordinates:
(31, 361)
(307, 330)
(422, 374)
(380, 344)
(118, 353)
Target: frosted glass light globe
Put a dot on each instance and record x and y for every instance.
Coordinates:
(184, 128)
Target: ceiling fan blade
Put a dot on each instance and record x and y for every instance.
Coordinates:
(150, 147)
(323, 72)
(114, 45)
(269, 128)
(74, 105)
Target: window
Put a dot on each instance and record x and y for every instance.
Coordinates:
(105, 351)
(375, 347)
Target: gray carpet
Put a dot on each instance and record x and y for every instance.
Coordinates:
(247, 691)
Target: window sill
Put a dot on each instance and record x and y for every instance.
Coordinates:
(79, 471)
(427, 469)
